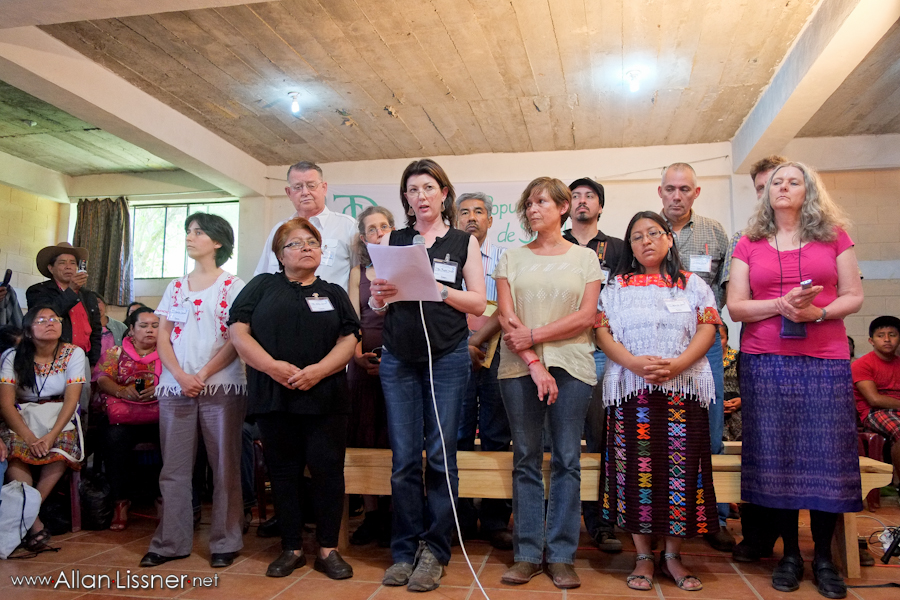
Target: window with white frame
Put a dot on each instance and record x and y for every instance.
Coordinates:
(157, 237)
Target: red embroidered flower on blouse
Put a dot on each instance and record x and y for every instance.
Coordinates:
(223, 304)
(178, 284)
(198, 302)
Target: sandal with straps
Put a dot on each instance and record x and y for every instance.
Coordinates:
(665, 558)
(120, 518)
(632, 578)
(37, 541)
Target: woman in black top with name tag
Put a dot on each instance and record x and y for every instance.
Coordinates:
(420, 541)
(297, 333)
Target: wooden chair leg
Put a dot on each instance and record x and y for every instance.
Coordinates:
(344, 537)
(845, 547)
(74, 484)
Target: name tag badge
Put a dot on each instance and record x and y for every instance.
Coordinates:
(604, 276)
(445, 270)
(317, 304)
(700, 263)
(677, 306)
(329, 251)
(178, 314)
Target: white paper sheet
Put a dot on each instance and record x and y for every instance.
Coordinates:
(407, 267)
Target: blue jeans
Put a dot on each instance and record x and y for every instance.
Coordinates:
(595, 441)
(412, 428)
(483, 410)
(717, 411)
(565, 419)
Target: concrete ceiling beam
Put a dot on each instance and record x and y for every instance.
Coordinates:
(22, 13)
(837, 38)
(33, 178)
(44, 67)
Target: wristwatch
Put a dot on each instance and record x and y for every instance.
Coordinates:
(822, 318)
(444, 292)
(378, 309)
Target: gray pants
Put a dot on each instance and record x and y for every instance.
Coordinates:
(219, 417)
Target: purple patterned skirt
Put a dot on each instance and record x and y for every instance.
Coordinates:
(799, 449)
(658, 477)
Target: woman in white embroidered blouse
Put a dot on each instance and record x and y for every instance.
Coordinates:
(655, 326)
(202, 385)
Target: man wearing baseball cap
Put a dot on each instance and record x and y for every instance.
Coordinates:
(65, 292)
(588, 200)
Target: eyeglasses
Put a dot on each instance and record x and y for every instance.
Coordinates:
(373, 230)
(653, 234)
(302, 244)
(427, 190)
(310, 186)
(48, 321)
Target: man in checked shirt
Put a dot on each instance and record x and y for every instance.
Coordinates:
(702, 245)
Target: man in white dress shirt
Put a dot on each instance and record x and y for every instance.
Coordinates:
(307, 189)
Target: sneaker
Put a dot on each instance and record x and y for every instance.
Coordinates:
(397, 574)
(722, 540)
(608, 542)
(428, 572)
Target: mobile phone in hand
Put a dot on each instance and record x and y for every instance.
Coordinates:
(806, 284)
(7, 278)
(82, 266)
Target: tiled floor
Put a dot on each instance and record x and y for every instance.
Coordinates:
(116, 554)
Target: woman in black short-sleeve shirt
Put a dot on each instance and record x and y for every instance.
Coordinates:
(297, 333)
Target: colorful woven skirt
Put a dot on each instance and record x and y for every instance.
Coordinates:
(658, 473)
(799, 448)
(66, 441)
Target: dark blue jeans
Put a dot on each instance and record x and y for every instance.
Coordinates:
(717, 412)
(483, 411)
(595, 442)
(558, 528)
(412, 427)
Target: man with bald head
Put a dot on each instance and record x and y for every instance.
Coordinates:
(702, 245)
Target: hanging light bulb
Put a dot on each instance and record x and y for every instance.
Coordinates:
(295, 105)
(633, 78)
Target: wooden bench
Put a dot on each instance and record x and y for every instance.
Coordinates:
(489, 475)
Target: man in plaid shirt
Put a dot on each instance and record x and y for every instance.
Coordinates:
(702, 245)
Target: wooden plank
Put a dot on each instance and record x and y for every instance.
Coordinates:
(363, 147)
(539, 36)
(321, 144)
(607, 52)
(469, 126)
(561, 120)
(395, 129)
(373, 48)
(536, 112)
(370, 124)
(433, 34)
(491, 117)
(467, 33)
(327, 49)
(506, 46)
(220, 29)
(424, 129)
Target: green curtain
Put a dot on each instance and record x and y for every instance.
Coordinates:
(104, 228)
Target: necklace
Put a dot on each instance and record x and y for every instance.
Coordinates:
(780, 271)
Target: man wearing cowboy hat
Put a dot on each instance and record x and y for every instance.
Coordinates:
(65, 292)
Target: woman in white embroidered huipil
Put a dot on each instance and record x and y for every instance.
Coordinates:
(203, 387)
(655, 326)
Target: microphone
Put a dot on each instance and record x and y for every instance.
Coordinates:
(418, 240)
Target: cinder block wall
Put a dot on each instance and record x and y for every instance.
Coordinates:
(872, 201)
(27, 224)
